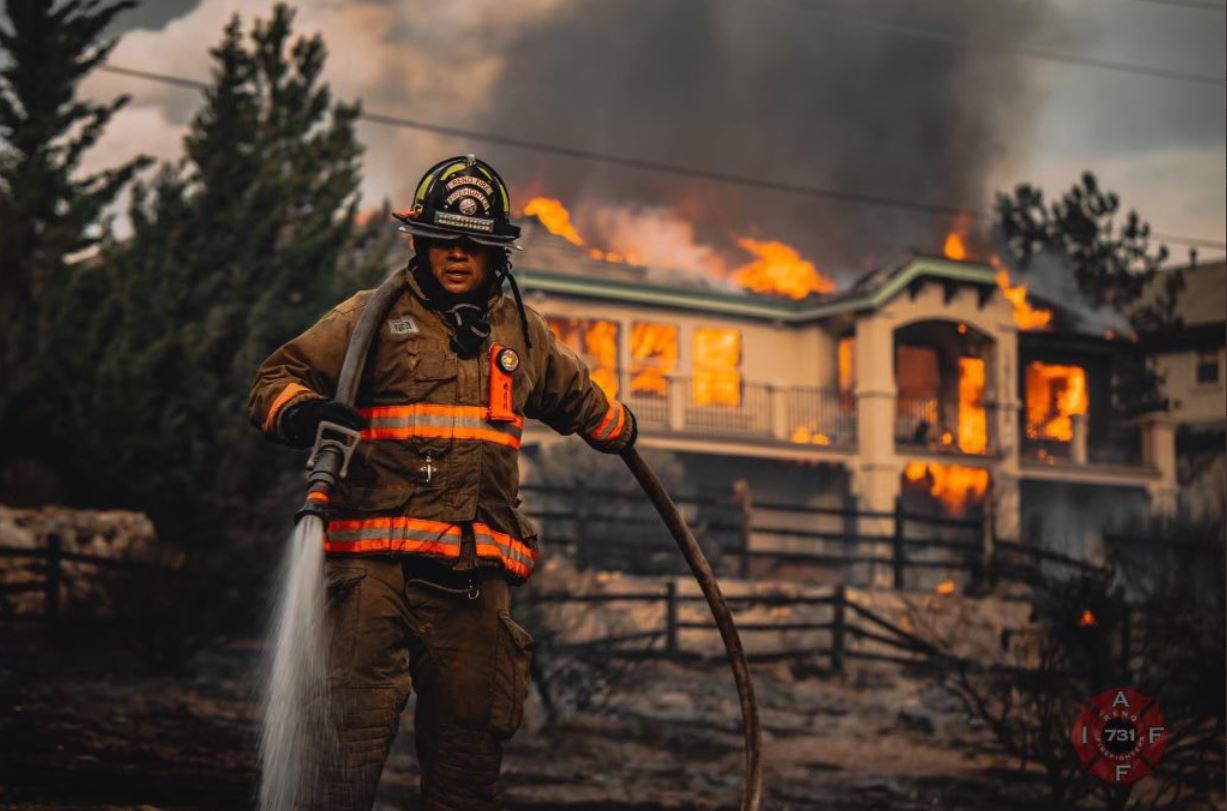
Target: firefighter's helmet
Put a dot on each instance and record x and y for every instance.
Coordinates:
(462, 197)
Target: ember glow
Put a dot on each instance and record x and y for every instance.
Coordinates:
(1028, 318)
(973, 419)
(653, 357)
(717, 367)
(1054, 394)
(954, 248)
(779, 269)
(809, 435)
(1088, 619)
(946, 588)
(955, 486)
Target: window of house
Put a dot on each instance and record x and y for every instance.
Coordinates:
(1207, 367)
(595, 340)
(717, 366)
(653, 358)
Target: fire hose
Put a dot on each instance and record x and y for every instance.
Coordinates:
(335, 444)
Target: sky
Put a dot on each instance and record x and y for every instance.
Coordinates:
(940, 102)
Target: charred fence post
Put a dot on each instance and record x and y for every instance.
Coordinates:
(579, 513)
(838, 619)
(52, 576)
(671, 616)
(897, 556)
(741, 494)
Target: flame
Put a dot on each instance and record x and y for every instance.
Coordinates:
(946, 588)
(808, 435)
(953, 485)
(554, 216)
(779, 269)
(846, 351)
(596, 340)
(955, 248)
(653, 357)
(1088, 619)
(1054, 395)
(717, 363)
(973, 419)
(1027, 318)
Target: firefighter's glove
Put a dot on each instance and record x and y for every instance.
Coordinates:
(301, 422)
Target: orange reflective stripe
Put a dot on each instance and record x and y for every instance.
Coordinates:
(416, 535)
(617, 431)
(429, 409)
(609, 415)
(317, 495)
(287, 394)
(440, 432)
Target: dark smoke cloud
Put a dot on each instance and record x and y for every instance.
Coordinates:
(774, 90)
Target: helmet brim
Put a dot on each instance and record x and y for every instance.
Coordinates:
(437, 232)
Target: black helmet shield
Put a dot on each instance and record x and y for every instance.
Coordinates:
(462, 197)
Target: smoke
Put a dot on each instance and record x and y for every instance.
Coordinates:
(796, 91)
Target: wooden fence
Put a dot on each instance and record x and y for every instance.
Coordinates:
(846, 621)
(750, 539)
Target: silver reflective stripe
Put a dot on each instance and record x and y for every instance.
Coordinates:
(608, 431)
(393, 533)
(438, 421)
(482, 537)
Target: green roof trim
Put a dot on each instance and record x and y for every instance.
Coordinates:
(757, 306)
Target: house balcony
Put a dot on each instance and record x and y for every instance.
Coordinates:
(1074, 442)
(943, 425)
(740, 410)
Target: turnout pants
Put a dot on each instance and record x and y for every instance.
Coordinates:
(390, 630)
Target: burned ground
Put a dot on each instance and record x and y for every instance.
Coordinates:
(83, 727)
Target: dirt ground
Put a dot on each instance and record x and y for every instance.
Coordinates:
(82, 727)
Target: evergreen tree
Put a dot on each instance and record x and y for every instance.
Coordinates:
(235, 249)
(1113, 263)
(47, 211)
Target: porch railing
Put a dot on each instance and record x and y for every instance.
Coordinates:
(801, 415)
(943, 424)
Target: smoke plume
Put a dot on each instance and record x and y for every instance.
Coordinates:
(797, 91)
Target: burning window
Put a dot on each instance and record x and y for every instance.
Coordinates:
(956, 486)
(596, 341)
(973, 419)
(1054, 395)
(653, 357)
(717, 366)
(846, 352)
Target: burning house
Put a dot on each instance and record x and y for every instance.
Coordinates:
(939, 382)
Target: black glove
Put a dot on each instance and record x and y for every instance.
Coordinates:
(302, 420)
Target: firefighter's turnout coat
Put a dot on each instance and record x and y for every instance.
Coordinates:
(440, 455)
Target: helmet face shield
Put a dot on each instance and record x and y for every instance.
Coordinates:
(462, 197)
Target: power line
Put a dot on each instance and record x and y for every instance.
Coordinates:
(1031, 53)
(818, 192)
(1197, 4)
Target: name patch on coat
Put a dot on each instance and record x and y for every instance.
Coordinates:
(402, 326)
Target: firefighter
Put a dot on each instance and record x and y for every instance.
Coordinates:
(423, 539)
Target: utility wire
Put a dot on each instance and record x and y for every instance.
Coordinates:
(1197, 4)
(1031, 53)
(818, 192)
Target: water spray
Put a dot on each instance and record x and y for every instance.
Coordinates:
(296, 731)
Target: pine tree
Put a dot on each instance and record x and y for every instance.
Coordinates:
(235, 249)
(47, 211)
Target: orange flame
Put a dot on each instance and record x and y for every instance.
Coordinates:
(808, 435)
(954, 485)
(846, 351)
(1026, 317)
(779, 269)
(1088, 619)
(653, 357)
(1054, 395)
(596, 340)
(946, 588)
(955, 248)
(717, 364)
(973, 419)
(554, 216)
